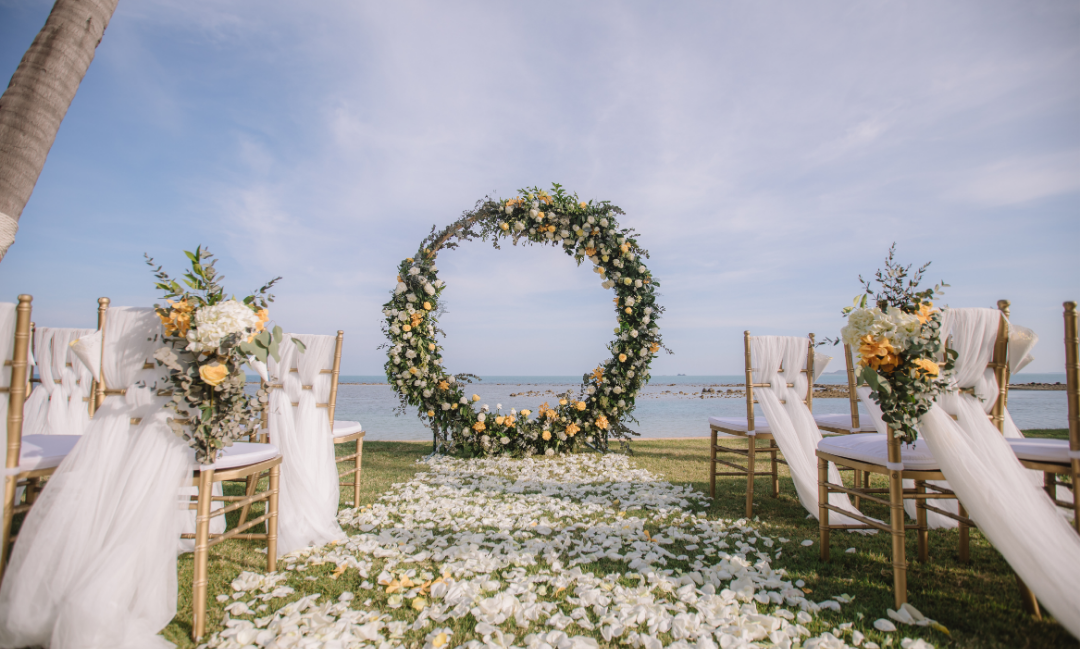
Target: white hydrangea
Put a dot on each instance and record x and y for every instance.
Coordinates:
(214, 323)
(894, 325)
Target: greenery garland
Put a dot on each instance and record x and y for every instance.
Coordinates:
(599, 410)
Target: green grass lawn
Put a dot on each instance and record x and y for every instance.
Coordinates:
(978, 602)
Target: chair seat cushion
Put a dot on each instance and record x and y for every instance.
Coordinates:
(1054, 451)
(866, 425)
(345, 428)
(739, 424)
(45, 451)
(244, 454)
(873, 448)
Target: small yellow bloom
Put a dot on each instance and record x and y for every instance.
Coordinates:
(479, 427)
(413, 370)
(476, 397)
(439, 640)
(924, 312)
(602, 422)
(431, 347)
(589, 252)
(427, 306)
(499, 420)
(582, 205)
(655, 347)
(213, 373)
(409, 259)
(572, 429)
(927, 366)
(443, 385)
(417, 317)
(505, 226)
(419, 603)
(552, 228)
(598, 373)
(539, 216)
(546, 435)
(453, 407)
(509, 420)
(406, 328)
(622, 358)
(878, 354)
(625, 247)
(264, 315)
(514, 201)
(580, 405)
(431, 413)
(526, 413)
(628, 310)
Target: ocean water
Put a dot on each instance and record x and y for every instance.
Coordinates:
(670, 406)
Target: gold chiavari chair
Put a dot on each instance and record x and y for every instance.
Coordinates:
(1058, 457)
(34, 457)
(752, 431)
(851, 423)
(237, 462)
(883, 455)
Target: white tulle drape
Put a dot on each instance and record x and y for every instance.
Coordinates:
(309, 489)
(792, 423)
(7, 349)
(1018, 518)
(95, 562)
(59, 404)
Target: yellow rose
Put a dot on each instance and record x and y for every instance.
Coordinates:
(580, 405)
(539, 216)
(406, 328)
(427, 306)
(552, 228)
(601, 422)
(927, 366)
(629, 310)
(572, 429)
(505, 226)
(431, 347)
(479, 427)
(581, 204)
(622, 358)
(213, 373)
(546, 435)
(430, 413)
(499, 420)
(562, 402)
(526, 413)
(476, 397)
(409, 259)
(453, 407)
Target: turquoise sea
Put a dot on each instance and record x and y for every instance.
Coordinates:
(670, 406)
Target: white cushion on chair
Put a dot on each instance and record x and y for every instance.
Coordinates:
(344, 428)
(844, 421)
(243, 454)
(739, 424)
(1054, 451)
(873, 448)
(45, 451)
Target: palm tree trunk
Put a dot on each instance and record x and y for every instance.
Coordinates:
(38, 97)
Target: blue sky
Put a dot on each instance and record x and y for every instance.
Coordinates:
(768, 153)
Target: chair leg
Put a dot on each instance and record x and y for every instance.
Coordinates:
(712, 467)
(857, 482)
(202, 549)
(896, 507)
(751, 458)
(773, 449)
(5, 535)
(1050, 485)
(965, 535)
(272, 520)
(356, 476)
(1031, 605)
(823, 512)
(920, 519)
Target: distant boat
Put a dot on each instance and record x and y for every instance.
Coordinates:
(680, 375)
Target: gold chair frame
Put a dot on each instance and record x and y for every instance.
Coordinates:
(752, 449)
(16, 394)
(1051, 470)
(853, 402)
(921, 493)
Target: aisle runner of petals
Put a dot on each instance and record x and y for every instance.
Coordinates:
(490, 552)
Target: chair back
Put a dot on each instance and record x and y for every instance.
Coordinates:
(852, 384)
(1072, 392)
(60, 403)
(972, 342)
(316, 369)
(15, 352)
(750, 369)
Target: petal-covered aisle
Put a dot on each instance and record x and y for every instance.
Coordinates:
(574, 552)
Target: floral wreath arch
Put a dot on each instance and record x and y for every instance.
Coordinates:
(597, 413)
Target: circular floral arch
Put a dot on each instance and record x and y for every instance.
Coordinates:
(593, 415)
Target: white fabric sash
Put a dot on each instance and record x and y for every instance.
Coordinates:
(113, 583)
(1018, 518)
(57, 405)
(309, 490)
(792, 423)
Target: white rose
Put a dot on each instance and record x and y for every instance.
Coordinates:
(504, 441)
(394, 329)
(411, 297)
(429, 289)
(463, 401)
(481, 417)
(519, 226)
(550, 451)
(427, 394)
(590, 220)
(648, 310)
(533, 212)
(617, 390)
(630, 374)
(637, 283)
(646, 319)
(410, 353)
(401, 288)
(641, 269)
(622, 403)
(633, 333)
(445, 406)
(591, 389)
(509, 209)
(438, 283)
(630, 301)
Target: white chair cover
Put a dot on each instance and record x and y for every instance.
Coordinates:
(791, 423)
(58, 408)
(1021, 341)
(309, 490)
(1018, 518)
(95, 561)
(821, 361)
